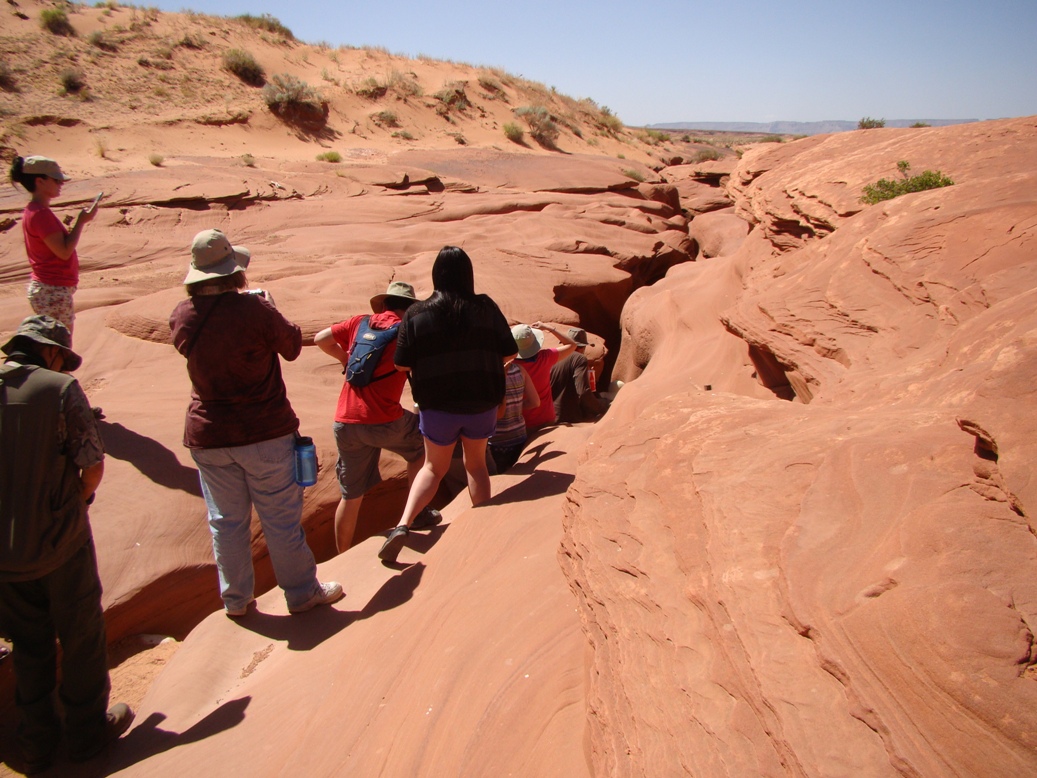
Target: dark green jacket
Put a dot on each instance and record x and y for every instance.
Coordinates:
(43, 517)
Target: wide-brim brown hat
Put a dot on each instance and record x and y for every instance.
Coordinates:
(47, 331)
(212, 256)
(396, 289)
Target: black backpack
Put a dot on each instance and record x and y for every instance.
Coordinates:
(366, 352)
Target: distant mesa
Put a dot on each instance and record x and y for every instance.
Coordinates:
(798, 128)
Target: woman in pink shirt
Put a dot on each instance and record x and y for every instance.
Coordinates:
(51, 248)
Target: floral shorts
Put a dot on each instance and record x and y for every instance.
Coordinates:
(53, 301)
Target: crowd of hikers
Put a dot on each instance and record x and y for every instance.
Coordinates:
(479, 386)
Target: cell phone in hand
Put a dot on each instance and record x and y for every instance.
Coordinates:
(93, 205)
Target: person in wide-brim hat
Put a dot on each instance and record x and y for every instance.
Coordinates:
(212, 256)
(399, 289)
(45, 331)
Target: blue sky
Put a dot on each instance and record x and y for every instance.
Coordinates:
(688, 60)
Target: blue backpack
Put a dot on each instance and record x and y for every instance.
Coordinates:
(366, 352)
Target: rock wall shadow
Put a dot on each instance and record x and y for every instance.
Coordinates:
(150, 457)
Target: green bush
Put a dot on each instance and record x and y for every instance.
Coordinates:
(100, 40)
(867, 123)
(267, 23)
(541, 127)
(244, 66)
(513, 132)
(295, 101)
(917, 125)
(385, 119)
(7, 80)
(371, 88)
(887, 189)
(707, 155)
(655, 137)
(329, 156)
(452, 97)
(72, 81)
(772, 139)
(55, 20)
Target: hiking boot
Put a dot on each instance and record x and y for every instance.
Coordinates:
(117, 721)
(328, 593)
(391, 547)
(429, 517)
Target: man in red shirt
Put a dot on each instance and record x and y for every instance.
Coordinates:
(370, 418)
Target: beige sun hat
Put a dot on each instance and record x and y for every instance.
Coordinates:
(396, 289)
(212, 256)
(527, 339)
(43, 166)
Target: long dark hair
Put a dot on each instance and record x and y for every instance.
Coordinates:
(454, 282)
(19, 176)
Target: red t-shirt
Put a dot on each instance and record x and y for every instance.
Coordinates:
(39, 221)
(539, 369)
(379, 401)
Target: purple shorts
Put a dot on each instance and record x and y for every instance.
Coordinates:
(444, 428)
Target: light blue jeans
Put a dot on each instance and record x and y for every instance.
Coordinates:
(261, 474)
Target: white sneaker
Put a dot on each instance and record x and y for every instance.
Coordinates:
(329, 592)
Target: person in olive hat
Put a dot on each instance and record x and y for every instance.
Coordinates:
(370, 418)
(51, 465)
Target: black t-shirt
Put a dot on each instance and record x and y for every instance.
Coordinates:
(456, 369)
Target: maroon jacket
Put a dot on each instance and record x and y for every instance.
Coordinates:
(238, 396)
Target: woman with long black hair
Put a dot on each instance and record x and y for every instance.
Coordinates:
(454, 345)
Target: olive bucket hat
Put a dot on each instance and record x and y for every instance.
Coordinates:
(47, 331)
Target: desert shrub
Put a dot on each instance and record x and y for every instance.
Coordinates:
(329, 156)
(191, 41)
(634, 174)
(493, 88)
(452, 97)
(385, 119)
(248, 160)
(610, 122)
(99, 39)
(404, 85)
(541, 127)
(707, 155)
(513, 132)
(295, 101)
(156, 159)
(403, 135)
(371, 88)
(867, 123)
(72, 81)
(55, 20)
(772, 139)
(654, 137)
(7, 80)
(267, 23)
(887, 189)
(244, 66)
(918, 125)
(101, 147)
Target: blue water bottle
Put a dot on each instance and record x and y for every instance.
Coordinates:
(305, 461)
